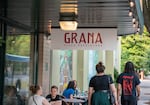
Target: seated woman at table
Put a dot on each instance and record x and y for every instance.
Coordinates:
(36, 98)
(76, 91)
(53, 96)
(70, 90)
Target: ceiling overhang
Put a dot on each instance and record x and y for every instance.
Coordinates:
(146, 11)
(101, 14)
(91, 14)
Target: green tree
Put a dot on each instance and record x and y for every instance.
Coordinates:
(18, 45)
(136, 48)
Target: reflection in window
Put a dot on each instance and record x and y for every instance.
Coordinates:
(17, 70)
(65, 68)
(93, 60)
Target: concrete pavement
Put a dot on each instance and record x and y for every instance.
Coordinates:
(145, 92)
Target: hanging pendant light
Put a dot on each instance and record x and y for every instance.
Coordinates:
(68, 15)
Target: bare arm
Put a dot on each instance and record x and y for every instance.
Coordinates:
(118, 91)
(138, 91)
(71, 96)
(113, 89)
(90, 92)
(45, 102)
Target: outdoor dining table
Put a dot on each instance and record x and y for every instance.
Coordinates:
(72, 101)
(84, 98)
(81, 97)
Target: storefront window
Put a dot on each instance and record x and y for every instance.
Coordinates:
(93, 56)
(16, 84)
(65, 68)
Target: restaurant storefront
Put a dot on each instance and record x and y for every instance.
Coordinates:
(70, 60)
(33, 55)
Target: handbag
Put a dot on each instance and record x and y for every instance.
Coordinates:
(111, 96)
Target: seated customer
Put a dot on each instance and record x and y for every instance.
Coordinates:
(70, 90)
(36, 98)
(53, 96)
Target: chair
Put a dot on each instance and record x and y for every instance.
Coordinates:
(63, 102)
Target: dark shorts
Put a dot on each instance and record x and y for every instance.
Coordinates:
(128, 102)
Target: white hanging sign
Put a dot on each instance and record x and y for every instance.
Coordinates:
(84, 39)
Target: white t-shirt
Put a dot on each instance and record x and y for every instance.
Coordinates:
(38, 99)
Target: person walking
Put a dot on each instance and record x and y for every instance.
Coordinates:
(128, 86)
(99, 86)
(36, 98)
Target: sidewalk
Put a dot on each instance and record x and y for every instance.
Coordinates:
(145, 92)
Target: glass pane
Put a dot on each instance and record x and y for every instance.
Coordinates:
(93, 56)
(17, 69)
(65, 68)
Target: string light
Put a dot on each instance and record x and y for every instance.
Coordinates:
(133, 20)
(134, 24)
(130, 13)
(131, 3)
(138, 30)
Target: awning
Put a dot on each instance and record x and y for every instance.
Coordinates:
(17, 58)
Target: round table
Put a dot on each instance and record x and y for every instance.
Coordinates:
(72, 101)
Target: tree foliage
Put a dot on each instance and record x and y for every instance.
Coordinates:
(18, 45)
(136, 48)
